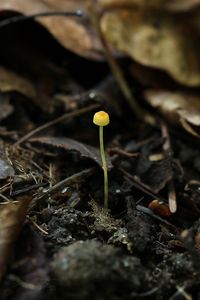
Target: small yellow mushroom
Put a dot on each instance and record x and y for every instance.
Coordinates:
(101, 119)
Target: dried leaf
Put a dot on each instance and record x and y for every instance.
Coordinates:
(156, 40)
(10, 81)
(74, 33)
(12, 216)
(154, 175)
(172, 5)
(160, 209)
(69, 145)
(13, 82)
(125, 3)
(180, 108)
(182, 5)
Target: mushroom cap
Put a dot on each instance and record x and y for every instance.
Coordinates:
(101, 118)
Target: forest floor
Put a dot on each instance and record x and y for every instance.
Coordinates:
(70, 246)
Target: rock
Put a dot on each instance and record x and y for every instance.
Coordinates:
(92, 270)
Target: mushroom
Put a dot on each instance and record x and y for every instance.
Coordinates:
(101, 119)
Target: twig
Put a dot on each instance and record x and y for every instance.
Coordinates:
(141, 187)
(63, 183)
(146, 294)
(25, 285)
(50, 180)
(5, 203)
(27, 189)
(4, 198)
(168, 151)
(181, 291)
(37, 226)
(113, 64)
(17, 19)
(151, 213)
(122, 152)
(55, 121)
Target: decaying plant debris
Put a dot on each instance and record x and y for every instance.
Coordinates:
(57, 241)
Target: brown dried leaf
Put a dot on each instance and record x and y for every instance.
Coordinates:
(10, 81)
(73, 33)
(156, 40)
(125, 3)
(12, 216)
(13, 82)
(172, 5)
(182, 5)
(178, 107)
(70, 145)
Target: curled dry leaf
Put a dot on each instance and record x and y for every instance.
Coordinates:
(178, 107)
(74, 33)
(70, 145)
(155, 39)
(12, 216)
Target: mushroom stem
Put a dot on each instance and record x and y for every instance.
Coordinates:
(103, 157)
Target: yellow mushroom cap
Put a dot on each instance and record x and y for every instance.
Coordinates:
(101, 118)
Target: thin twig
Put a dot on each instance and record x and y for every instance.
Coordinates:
(17, 19)
(122, 152)
(181, 291)
(141, 187)
(50, 180)
(27, 189)
(146, 294)
(37, 226)
(65, 182)
(168, 151)
(151, 213)
(55, 121)
(25, 285)
(5, 198)
(113, 64)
